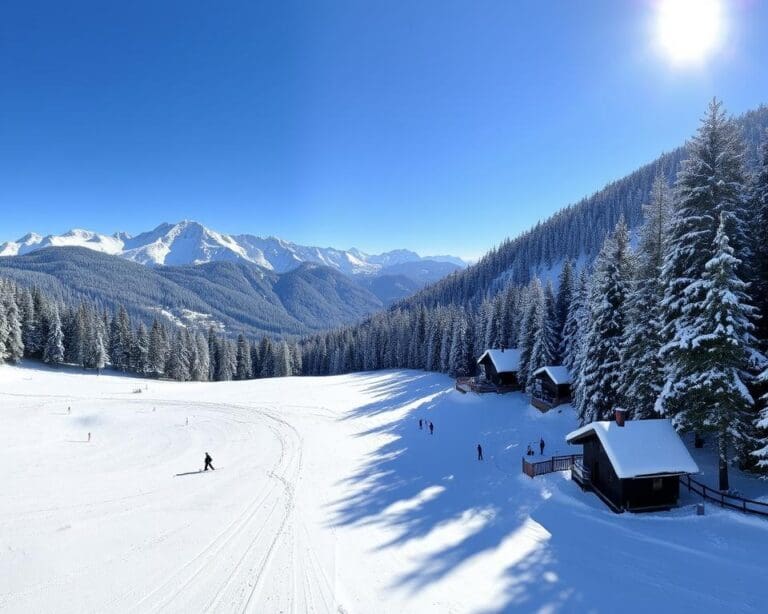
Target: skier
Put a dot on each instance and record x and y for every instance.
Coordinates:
(208, 461)
(479, 452)
(69, 410)
(541, 446)
(421, 423)
(431, 428)
(89, 436)
(187, 424)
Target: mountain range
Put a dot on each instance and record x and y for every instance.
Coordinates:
(191, 243)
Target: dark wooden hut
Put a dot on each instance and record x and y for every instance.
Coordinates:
(633, 465)
(500, 367)
(551, 387)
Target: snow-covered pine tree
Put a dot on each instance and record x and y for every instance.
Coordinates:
(157, 354)
(643, 376)
(201, 372)
(601, 369)
(529, 327)
(544, 348)
(569, 344)
(4, 333)
(758, 290)
(565, 291)
(140, 351)
(457, 360)
(53, 353)
(243, 369)
(711, 390)
(710, 188)
(14, 344)
(761, 453)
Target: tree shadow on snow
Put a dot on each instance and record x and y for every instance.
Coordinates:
(556, 547)
(432, 490)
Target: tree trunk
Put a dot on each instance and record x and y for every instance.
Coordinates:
(723, 463)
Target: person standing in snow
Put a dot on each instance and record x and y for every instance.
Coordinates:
(479, 452)
(89, 436)
(541, 446)
(208, 461)
(431, 428)
(529, 451)
(421, 424)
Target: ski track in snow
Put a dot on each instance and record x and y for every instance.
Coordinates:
(330, 500)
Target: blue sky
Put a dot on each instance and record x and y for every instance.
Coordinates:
(435, 125)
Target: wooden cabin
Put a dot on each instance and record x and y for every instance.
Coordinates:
(551, 387)
(500, 367)
(633, 465)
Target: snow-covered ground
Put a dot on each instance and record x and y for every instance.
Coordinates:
(328, 498)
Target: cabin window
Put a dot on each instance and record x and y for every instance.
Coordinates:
(657, 484)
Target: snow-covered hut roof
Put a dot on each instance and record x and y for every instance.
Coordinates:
(558, 374)
(505, 361)
(640, 447)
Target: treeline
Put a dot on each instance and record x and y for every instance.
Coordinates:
(676, 327)
(34, 325)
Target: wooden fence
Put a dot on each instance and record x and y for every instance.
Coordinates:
(749, 506)
(555, 463)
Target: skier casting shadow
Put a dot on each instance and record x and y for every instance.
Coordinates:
(208, 461)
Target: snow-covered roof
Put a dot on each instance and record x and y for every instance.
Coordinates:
(506, 361)
(640, 447)
(558, 374)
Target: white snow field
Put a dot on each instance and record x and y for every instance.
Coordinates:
(328, 498)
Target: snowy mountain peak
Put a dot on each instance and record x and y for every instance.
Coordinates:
(190, 242)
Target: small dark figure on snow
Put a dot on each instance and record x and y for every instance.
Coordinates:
(89, 436)
(431, 428)
(479, 452)
(541, 446)
(529, 451)
(208, 461)
(421, 424)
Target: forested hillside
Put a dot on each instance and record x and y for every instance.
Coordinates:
(677, 326)
(577, 232)
(233, 296)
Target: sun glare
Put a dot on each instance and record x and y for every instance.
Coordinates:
(689, 31)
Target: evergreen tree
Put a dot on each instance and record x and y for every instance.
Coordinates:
(712, 391)
(544, 334)
(710, 195)
(53, 353)
(243, 368)
(140, 351)
(575, 324)
(530, 328)
(157, 350)
(601, 369)
(643, 375)
(565, 292)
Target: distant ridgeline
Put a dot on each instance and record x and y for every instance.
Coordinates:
(668, 328)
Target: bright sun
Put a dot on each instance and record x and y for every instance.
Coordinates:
(689, 31)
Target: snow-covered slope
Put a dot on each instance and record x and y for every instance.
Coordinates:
(189, 242)
(328, 498)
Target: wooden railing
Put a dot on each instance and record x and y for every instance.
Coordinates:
(555, 463)
(749, 506)
(480, 385)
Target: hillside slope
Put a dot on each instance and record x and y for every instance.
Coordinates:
(577, 231)
(235, 296)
